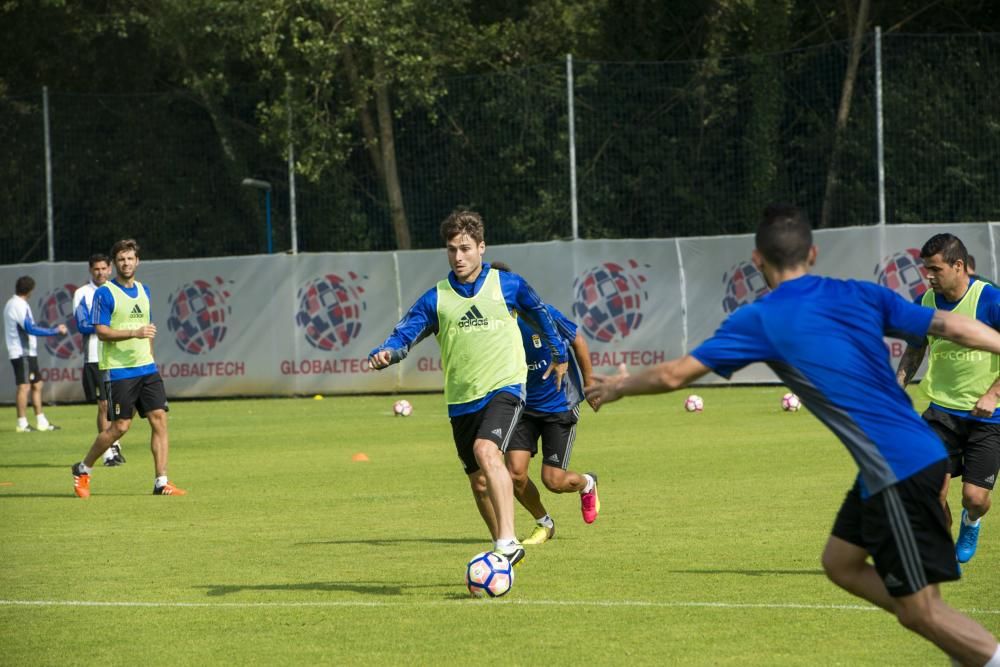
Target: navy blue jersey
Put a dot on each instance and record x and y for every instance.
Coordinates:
(542, 394)
(824, 338)
(988, 312)
(421, 320)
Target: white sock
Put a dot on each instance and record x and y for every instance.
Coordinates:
(965, 520)
(160, 481)
(86, 468)
(545, 521)
(995, 660)
(590, 483)
(43, 423)
(504, 545)
(22, 422)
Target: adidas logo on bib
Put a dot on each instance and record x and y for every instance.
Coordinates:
(473, 318)
(136, 312)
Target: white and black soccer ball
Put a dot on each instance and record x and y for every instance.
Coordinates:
(402, 408)
(489, 574)
(694, 403)
(790, 402)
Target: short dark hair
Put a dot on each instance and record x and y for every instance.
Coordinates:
(97, 257)
(784, 236)
(124, 244)
(463, 221)
(949, 246)
(24, 285)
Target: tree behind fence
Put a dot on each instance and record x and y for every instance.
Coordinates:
(663, 149)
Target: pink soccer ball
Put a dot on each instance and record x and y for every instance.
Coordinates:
(694, 403)
(790, 402)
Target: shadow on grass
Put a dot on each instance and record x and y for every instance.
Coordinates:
(5, 466)
(392, 541)
(752, 573)
(4, 494)
(363, 587)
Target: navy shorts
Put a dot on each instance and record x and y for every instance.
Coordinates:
(143, 394)
(26, 370)
(495, 422)
(973, 446)
(93, 384)
(557, 431)
(905, 529)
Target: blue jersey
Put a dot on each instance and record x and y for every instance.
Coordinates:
(988, 312)
(104, 305)
(824, 338)
(542, 394)
(421, 320)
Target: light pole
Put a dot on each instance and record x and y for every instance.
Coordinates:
(266, 187)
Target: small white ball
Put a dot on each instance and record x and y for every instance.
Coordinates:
(402, 408)
(790, 402)
(694, 403)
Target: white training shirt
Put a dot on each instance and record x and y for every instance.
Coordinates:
(16, 319)
(91, 343)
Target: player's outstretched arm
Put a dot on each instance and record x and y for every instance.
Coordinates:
(660, 379)
(964, 331)
(385, 358)
(909, 363)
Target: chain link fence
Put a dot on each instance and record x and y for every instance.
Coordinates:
(662, 150)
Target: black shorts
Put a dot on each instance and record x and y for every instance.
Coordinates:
(93, 382)
(26, 370)
(557, 431)
(496, 422)
(905, 529)
(143, 394)
(973, 446)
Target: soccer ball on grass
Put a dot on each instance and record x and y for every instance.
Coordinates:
(694, 403)
(790, 402)
(489, 574)
(402, 408)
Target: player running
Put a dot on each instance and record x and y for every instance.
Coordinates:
(484, 370)
(824, 338)
(551, 413)
(963, 384)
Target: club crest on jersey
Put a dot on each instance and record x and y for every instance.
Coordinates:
(536, 340)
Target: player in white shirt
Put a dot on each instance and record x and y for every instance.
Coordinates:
(93, 384)
(20, 333)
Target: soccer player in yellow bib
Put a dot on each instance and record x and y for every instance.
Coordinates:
(483, 360)
(963, 384)
(121, 318)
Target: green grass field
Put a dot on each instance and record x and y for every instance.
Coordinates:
(286, 551)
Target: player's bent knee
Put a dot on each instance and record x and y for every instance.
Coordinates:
(554, 481)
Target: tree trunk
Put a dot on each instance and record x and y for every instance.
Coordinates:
(844, 111)
(364, 112)
(387, 143)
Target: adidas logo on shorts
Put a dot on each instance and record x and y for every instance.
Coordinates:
(498, 432)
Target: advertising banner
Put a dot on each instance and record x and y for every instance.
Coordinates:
(284, 325)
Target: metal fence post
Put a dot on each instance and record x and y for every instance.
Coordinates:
(574, 215)
(879, 135)
(292, 216)
(49, 225)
